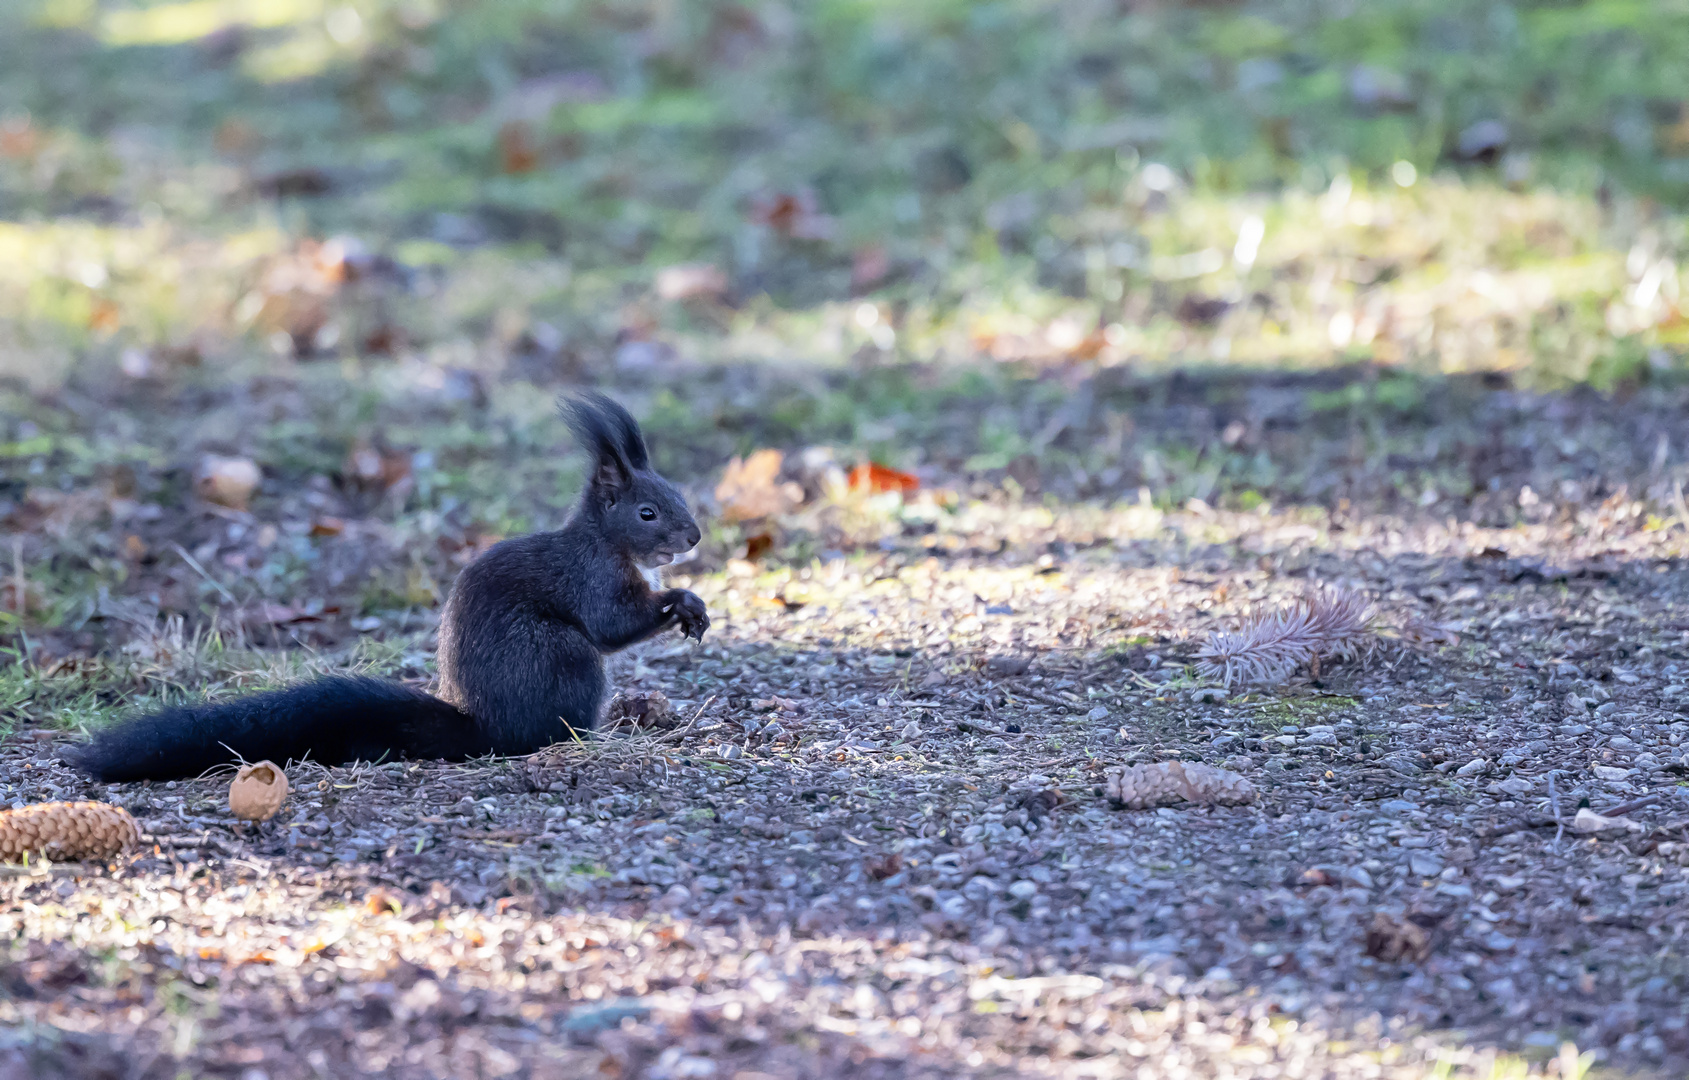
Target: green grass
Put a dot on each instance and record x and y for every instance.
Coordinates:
(1041, 180)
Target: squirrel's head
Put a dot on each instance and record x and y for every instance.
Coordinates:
(637, 509)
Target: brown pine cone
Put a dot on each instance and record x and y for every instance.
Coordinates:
(1166, 783)
(63, 831)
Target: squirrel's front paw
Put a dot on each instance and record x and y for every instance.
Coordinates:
(691, 615)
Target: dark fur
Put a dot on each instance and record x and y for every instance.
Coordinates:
(522, 643)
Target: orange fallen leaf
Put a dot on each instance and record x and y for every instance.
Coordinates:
(327, 526)
(104, 316)
(875, 478)
(381, 902)
(757, 546)
(211, 952)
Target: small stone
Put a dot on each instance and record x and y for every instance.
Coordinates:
(1424, 864)
(1007, 665)
(1588, 821)
(911, 731)
(1516, 786)
(589, 1022)
(1357, 875)
(1482, 140)
(1475, 767)
(1098, 713)
(1023, 890)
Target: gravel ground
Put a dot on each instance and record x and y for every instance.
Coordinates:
(873, 840)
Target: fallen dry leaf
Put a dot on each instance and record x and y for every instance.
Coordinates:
(880, 867)
(874, 478)
(792, 214)
(1393, 940)
(382, 902)
(750, 488)
(516, 150)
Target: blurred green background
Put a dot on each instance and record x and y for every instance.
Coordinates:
(1442, 186)
(1060, 249)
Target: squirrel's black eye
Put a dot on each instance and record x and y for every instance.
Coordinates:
(647, 514)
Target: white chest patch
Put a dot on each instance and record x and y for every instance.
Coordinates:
(653, 577)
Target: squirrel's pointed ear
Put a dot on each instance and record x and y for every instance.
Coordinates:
(598, 423)
(610, 478)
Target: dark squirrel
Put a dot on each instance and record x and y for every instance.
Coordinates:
(522, 643)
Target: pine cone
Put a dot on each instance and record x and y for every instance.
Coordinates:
(649, 710)
(62, 831)
(1167, 782)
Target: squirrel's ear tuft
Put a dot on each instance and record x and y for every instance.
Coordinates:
(611, 433)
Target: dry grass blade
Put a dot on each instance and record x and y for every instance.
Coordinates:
(1270, 646)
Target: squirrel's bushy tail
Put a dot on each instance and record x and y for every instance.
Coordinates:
(332, 721)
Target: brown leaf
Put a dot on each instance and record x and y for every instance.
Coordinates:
(1393, 940)
(516, 150)
(750, 488)
(757, 546)
(792, 214)
(328, 526)
(880, 867)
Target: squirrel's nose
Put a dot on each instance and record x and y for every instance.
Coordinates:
(693, 535)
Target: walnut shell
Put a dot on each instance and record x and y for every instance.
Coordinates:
(258, 791)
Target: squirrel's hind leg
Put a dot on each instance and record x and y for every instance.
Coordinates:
(543, 697)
